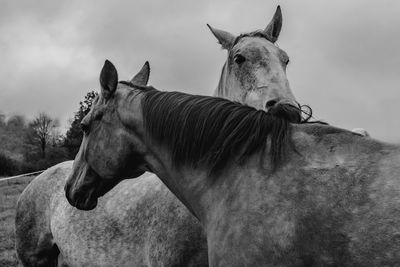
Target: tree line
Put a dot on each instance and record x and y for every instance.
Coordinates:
(31, 145)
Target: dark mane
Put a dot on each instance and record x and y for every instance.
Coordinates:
(258, 33)
(208, 131)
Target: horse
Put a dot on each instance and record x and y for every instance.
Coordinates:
(267, 192)
(180, 242)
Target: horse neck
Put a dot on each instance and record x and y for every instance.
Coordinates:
(187, 184)
(159, 158)
(206, 196)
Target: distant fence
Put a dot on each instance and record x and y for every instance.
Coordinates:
(21, 175)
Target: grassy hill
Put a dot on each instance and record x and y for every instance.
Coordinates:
(9, 193)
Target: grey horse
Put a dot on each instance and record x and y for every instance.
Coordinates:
(266, 192)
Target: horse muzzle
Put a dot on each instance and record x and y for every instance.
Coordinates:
(286, 111)
(81, 189)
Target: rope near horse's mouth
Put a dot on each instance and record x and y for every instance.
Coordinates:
(295, 114)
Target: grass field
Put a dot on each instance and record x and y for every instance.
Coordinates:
(9, 193)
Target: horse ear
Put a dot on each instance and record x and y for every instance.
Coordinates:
(108, 79)
(274, 27)
(142, 77)
(226, 39)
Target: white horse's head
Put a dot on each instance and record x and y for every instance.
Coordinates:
(255, 71)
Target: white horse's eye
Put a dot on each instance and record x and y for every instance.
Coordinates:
(239, 59)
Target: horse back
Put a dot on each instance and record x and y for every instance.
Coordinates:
(346, 199)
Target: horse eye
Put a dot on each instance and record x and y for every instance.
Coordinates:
(239, 59)
(85, 127)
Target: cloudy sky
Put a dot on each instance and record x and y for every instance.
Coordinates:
(345, 55)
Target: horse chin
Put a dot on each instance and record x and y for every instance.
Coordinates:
(86, 198)
(89, 203)
(288, 112)
(103, 186)
(87, 189)
(84, 191)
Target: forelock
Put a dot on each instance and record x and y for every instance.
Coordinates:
(258, 33)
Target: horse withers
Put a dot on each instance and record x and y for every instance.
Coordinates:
(267, 192)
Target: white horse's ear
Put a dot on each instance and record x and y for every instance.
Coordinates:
(274, 27)
(142, 77)
(226, 39)
(108, 79)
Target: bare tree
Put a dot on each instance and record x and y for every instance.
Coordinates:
(42, 128)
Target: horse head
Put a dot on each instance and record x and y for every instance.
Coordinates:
(255, 70)
(105, 143)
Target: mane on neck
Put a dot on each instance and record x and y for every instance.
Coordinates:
(208, 132)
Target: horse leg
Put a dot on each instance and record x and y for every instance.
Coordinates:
(41, 252)
(33, 238)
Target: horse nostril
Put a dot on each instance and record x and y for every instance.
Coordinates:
(270, 103)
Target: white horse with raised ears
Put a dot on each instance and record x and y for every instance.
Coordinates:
(255, 70)
(115, 235)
